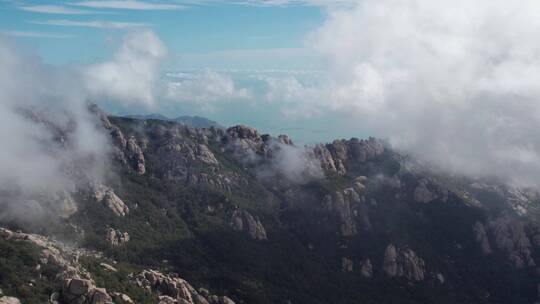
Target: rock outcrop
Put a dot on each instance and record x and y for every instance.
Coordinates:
(334, 157)
(9, 300)
(106, 196)
(242, 220)
(120, 298)
(510, 237)
(116, 237)
(340, 204)
(135, 155)
(53, 253)
(347, 265)
(174, 290)
(127, 151)
(403, 263)
(427, 191)
(481, 238)
(348, 209)
(84, 292)
(366, 268)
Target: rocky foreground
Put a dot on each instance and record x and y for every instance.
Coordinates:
(262, 220)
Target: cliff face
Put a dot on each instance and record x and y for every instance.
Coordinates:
(261, 220)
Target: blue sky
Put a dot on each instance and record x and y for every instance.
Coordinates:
(198, 34)
(247, 42)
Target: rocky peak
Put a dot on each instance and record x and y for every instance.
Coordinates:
(335, 156)
(284, 139)
(244, 132)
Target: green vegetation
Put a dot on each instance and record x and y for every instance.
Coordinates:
(18, 262)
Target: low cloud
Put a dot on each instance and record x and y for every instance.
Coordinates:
(132, 76)
(297, 165)
(51, 143)
(455, 84)
(205, 89)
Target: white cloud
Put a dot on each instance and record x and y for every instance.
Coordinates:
(204, 88)
(51, 144)
(93, 24)
(128, 5)
(29, 34)
(46, 133)
(326, 3)
(133, 74)
(455, 83)
(270, 3)
(55, 9)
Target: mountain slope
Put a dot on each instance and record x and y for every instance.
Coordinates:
(261, 220)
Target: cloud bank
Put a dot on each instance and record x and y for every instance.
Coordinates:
(453, 83)
(206, 89)
(132, 76)
(51, 143)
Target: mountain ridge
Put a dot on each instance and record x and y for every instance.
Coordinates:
(193, 121)
(259, 220)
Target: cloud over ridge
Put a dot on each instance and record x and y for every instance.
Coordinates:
(454, 83)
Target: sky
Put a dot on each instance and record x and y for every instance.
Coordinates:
(244, 40)
(200, 34)
(453, 83)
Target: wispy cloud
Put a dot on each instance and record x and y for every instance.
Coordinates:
(36, 34)
(128, 5)
(55, 9)
(94, 24)
(297, 2)
(269, 3)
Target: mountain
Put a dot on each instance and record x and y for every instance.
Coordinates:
(193, 121)
(208, 215)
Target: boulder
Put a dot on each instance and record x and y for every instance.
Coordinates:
(120, 298)
(9, 300)
(100, 296)
(79, 287)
